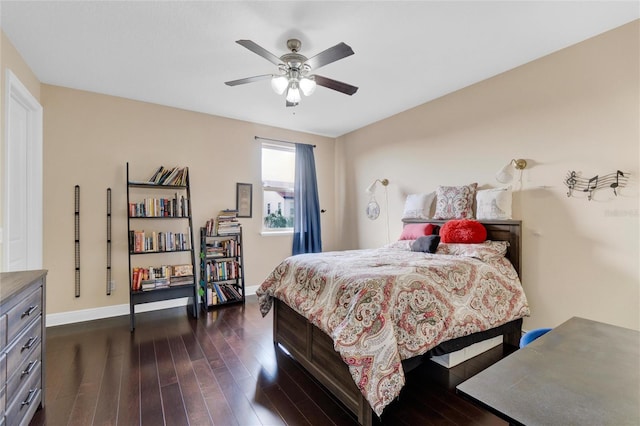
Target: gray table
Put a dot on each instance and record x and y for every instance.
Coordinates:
(582, 372)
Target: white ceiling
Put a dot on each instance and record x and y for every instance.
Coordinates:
(406, 53)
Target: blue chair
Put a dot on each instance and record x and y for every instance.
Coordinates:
(532, 335)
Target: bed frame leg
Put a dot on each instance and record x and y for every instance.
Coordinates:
(512, 339)
(365, 413)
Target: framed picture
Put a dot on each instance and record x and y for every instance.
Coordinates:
(244, 199)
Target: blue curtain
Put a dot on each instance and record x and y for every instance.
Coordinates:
(306, 223)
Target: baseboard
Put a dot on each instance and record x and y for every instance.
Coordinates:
(83, 315)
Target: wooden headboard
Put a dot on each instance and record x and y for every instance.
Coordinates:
(497, 230)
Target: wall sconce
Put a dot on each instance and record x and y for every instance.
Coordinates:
(507, 173)
(373, 208)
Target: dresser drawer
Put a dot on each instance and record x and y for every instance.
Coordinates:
(3, 332)
(23, 346)
(23, 313)
(24, 371)
(26, 401)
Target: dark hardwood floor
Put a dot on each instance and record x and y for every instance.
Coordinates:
(221, 369)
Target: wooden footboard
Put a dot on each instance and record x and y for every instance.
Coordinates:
(313, 349)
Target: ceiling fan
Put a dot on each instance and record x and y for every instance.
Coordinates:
(295, 70)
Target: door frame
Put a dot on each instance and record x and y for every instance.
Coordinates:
(33, 187)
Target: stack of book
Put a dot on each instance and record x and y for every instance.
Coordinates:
(152, 278)
(146, 285)
(176, 176)
(224, 248)
(181, 275)
(215, 251)
(227, 222)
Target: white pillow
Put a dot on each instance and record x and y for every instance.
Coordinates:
(494, 203)
(418, 206)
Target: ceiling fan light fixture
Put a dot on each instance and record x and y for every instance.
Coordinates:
(308, 85)
(295, 70)
(279, 84)
(293, 94)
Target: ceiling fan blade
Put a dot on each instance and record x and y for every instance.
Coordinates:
(332, 54)
(248, 80)
(260, 51)
(339, 86)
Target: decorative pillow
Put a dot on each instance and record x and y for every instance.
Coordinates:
(484, 251)
(494, 203)
(463, 231)
(455, 202)
(413, 231)
(427, 244)
(418, 206)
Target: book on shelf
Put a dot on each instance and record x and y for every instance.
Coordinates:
(175, 176)
(219, 294)
(210, 228)
(182, 270)
(178, 206)
(212, 297)
(214, 251)
(153, 242)
(231, 292)
(152, 284)
(160, 276)
(222, 293)
(224, 270)
(177, 281)
(224, 248)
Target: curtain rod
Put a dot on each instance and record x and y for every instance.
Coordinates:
(277, 140)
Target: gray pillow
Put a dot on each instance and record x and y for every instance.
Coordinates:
(427, 243)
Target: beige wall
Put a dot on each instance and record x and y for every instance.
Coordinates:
(573, 110)
(577, 109)
(10, 59)
(89, 138)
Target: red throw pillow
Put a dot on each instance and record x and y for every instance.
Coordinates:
(413, 231)
(463, 231)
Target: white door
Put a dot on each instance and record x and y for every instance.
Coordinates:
(22, 227)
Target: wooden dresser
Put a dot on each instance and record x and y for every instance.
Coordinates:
(22, 341)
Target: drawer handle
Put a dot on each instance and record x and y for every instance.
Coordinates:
(29, 369)
(30, 397)
(29, 343)
(29, 311)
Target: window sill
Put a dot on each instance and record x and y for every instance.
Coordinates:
(284, 232)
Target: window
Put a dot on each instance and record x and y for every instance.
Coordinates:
(278, 173)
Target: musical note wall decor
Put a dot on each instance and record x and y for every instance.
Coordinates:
(612, 180)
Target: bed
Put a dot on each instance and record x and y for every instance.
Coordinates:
(380, 321)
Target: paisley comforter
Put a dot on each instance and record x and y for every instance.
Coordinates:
(381, 306)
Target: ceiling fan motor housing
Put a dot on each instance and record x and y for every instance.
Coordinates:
(294, 60)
